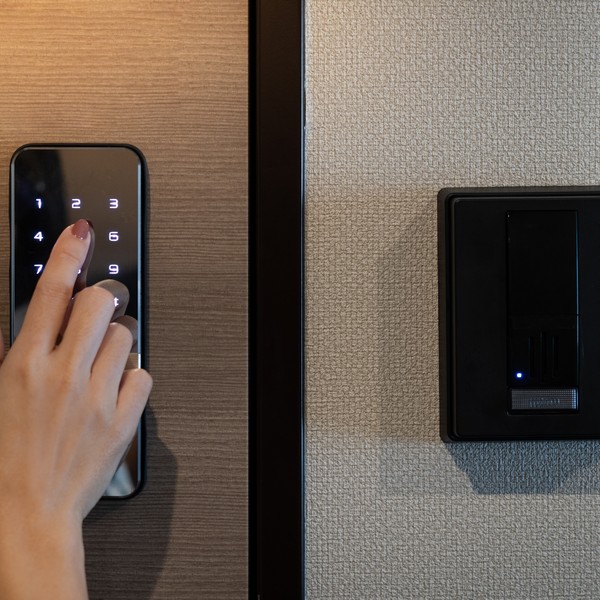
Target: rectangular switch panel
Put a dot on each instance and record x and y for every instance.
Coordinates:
(519, 308)
(543, 315)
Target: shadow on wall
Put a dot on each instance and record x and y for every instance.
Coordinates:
(566, 467)
(412, 457)
(407, 323)
(126, 541)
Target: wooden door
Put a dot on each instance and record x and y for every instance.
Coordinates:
(170, 78)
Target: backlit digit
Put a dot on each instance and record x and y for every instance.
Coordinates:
(75, 203)
(113, 236)
(113, 203)
(38, 269)
(38, 236)
(113, 269)
(38, 201)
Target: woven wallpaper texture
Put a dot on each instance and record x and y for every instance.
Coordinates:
(405, 97)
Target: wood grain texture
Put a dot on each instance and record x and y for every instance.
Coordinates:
(171, 78)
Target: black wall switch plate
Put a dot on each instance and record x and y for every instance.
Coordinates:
(519, 302)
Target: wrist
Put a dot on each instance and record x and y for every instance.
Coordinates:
(40, 557)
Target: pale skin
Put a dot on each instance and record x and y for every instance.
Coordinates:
(67, 415)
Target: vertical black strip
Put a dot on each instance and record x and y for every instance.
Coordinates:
(276, 553)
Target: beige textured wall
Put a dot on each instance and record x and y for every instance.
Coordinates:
(405, 98)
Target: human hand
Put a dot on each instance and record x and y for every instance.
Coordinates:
(67, 411)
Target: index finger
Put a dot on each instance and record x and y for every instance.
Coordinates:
(55, 287)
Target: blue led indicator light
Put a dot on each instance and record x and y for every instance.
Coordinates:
(519, 375)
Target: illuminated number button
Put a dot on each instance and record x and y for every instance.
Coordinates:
(113, 203)
(76, 203)
(113, 269)
(38, 268)
(38, 202)
(113, 236)
(38, 236)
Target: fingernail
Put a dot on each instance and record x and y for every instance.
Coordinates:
(81, 229)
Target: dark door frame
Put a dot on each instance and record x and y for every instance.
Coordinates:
(276, 300)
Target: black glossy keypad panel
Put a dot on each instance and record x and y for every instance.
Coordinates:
(53, 187)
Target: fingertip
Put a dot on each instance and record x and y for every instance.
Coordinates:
(134, 391)
(137, 383)
(64, 246)
(120, 294)
(81, 229)
(146, 383)
(131, 325)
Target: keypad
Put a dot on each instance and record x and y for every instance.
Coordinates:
(54, 187)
